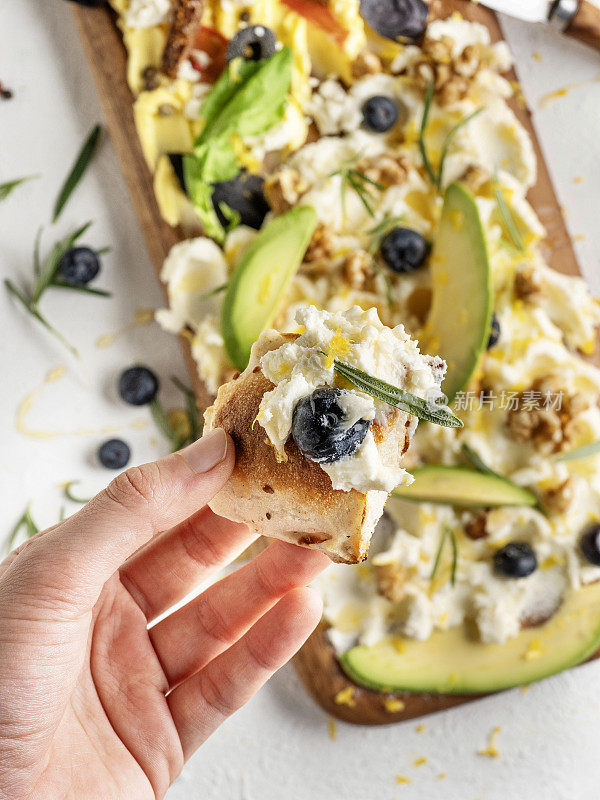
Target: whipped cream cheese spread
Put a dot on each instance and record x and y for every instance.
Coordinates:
(546, 320)
(360, 339)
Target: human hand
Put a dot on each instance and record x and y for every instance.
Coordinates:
(92, 703)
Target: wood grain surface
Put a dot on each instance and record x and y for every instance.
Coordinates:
(315, 663)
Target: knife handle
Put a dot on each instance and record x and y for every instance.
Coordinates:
(580, 20)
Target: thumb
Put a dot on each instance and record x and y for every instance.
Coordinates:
(139, 503)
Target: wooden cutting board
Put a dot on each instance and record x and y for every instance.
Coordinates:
(315, 663)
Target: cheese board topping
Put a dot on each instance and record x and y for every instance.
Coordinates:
(323, 429)
(404, 250)
(515, 560)
(79, 266)
(396, 19)
(253, 43)
(380, 113)
(138, 385)
(114, 454)
(261, 278)
(590, 544)
(240, 200)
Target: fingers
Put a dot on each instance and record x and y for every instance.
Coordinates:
(76, 559)
(200, 704)
(173, 563)
(187, 640)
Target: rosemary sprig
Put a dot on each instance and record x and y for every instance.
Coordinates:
(586, 450)
(423, 129)
(9, 186)
(447, 532)
(50, 266)
(507, 217)
(196, 422)
(26, 522)
(77, 170)
(73, 498)
(448, 141)
(398, 398)
(213, 292)
(360, 183)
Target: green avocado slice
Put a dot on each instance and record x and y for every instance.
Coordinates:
(260, 280)
(460, 486)
(451, 662)
(458, 326)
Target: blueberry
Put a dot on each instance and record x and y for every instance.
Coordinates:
(380, 113)
(515, 560)
(395, 19)
(79, 266)
(494, 332)
(138, 386)
(319, 431)
(176, 160)
(252, 44)
(114, 454)
(243, 194)
(89, 3)
(404, 250)
(590, 544)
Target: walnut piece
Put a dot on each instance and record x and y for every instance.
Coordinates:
(366, 63)
(386, 169)
(527, 283)
(358, 268)
(390, 579)
(282, 189)
(559, 498)
(476, 526)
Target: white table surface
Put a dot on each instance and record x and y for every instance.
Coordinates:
(279, 745)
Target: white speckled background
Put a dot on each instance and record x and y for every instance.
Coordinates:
(279, 745)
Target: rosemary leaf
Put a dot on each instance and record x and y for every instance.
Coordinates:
(438, 555)
(386, 282)
(51, 264)
(586, 450)
(213, 292)
(454, 555)
(448, 141)
(424, 120)
(7, 188)
(24, 521)
(76, 288)
(380, 230)
(360, 176)
(103, 250)
(476, 460)
(77, 170)
(162, 423)
(399, 398)
(36, 251)
(73, 498)
(196, 423)
(508, 219)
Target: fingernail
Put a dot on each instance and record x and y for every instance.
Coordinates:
(207, 452)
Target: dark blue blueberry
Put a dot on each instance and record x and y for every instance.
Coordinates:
(319, 429)
(590, 544)
(252, 44)
(395, 19)
(138, 386)
(243, 194)
(515, 560)
(176, 160)
(79, 266)
(404, 250)
(380, 113)
(114, 454)
(89, 3)
(494, 332)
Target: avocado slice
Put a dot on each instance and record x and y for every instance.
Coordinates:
(460, 486)
(458, 326)
(260, 280)
(451, 662)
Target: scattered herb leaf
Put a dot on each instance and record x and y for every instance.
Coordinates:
(73, 498)
(25, 522)
(476, 461)
(399, 398)
(213, 292)
(77, 288)
(77, 170)
(379, 231)
(507, 218)
(423, 129)
(193, 428)
(586, 450)
(7, 188)
(448, 141)
(447, 532)
(196, 422)
(360, 183)
(51, 263)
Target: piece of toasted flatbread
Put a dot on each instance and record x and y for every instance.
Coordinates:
(294, 500)
(185, 23)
